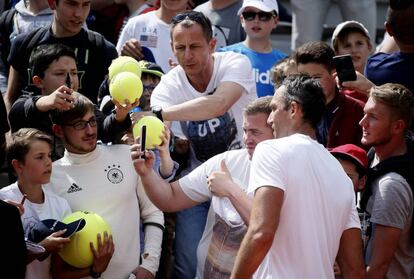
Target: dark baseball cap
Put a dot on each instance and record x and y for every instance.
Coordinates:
(46, 227)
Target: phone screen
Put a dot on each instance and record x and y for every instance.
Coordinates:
(143, 138)
(344, 67)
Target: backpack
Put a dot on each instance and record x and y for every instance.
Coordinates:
(402, 164)
(6, 28)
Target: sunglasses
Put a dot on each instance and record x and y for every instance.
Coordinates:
(192, 15)
(263, 16)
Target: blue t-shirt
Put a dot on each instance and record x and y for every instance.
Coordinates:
(394, 67)
(261, 63)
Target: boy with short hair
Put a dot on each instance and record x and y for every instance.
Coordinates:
(351, 37)
(258, 19)
(29, 154)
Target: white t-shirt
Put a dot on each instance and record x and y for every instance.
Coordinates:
(194, 185)
(105, 182)
(54, 207)
(175, 88)
(318, 205)
(151, 32)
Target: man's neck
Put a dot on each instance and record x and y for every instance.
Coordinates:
(167, 15)
(263, 45)
(58, 32)
(36, 6)
(394, 147)
(221, 4)
(134, 5)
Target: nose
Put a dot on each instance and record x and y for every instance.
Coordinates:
(362, 122)
(270, 119)
(187, 54)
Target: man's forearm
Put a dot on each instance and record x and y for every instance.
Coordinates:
(242, 203)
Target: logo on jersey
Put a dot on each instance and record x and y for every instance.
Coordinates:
(74, 188)
(114, 174)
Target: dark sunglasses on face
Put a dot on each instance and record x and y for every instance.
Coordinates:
(263, 16)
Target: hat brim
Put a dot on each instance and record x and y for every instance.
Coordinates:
(152, 72)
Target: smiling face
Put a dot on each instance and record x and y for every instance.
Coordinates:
(256, 28)
(358, 46)
(79, 141)
(255, 130)
(69, 16)
(37, 165)
(376, 124)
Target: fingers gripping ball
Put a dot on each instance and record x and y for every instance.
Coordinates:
(125, 86)
(155, 128)
(78, 253)
(124, 64)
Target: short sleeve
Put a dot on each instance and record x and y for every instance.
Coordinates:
(393, 202)
(267, 168)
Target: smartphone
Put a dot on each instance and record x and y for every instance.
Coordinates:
(68, 80)
(344, 68)
(143, 138)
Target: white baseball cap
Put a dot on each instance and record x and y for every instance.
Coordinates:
(349, 24)
(263, 5)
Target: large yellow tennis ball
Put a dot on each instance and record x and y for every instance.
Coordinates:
(124, 64)
(78, 253)
(126, 86)
(155, 128)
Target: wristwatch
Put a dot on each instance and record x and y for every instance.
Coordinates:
(93, 273)
(158, 112)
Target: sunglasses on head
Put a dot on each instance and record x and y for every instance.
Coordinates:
(263, 16)
(192, 15)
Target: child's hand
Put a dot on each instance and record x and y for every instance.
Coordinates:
(122, 111)
(54, 243)
(164, 148)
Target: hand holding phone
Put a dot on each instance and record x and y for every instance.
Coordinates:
(344, 68)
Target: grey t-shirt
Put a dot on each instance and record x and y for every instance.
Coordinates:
(391, 204)
(227, 28)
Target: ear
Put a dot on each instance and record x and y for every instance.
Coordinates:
(399, 126)
(57, 130)
(17, 166)
(242, 21)
(52, 4)
(295, 110)
(38, 82)
(212, 45)
(361, 183)
(388, 28)
(275, 21)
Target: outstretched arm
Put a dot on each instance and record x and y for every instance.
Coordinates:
(166, 196)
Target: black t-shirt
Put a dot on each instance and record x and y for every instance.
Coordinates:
(94, 56)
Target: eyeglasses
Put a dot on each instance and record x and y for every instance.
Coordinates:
(81, 125)
(263, 16)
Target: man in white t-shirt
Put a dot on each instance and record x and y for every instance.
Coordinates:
(207, 92)
(304, 204)
(222, 179)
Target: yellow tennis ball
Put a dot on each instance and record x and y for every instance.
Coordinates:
(155, 128)
(78, 253)
(124, 64)
(126, 86)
